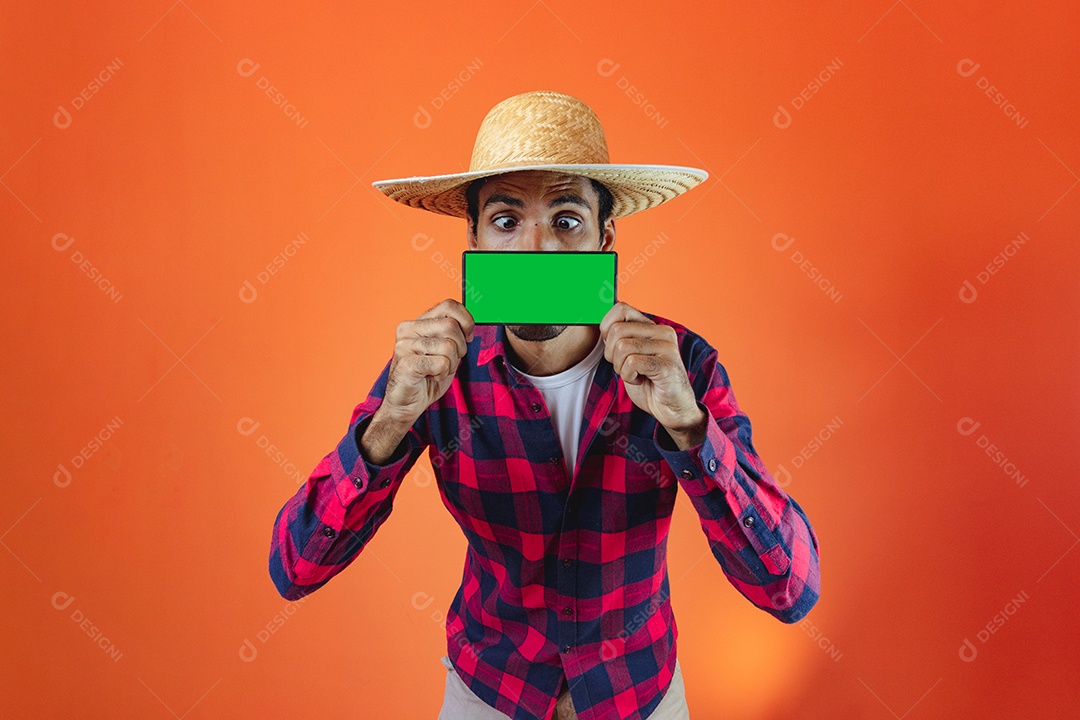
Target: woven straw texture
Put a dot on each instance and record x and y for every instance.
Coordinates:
(545, 130)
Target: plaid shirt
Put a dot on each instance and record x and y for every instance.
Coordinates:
(562, 575)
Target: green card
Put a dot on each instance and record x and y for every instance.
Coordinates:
(525, 287)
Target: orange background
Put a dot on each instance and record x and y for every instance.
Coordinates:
(179, 180)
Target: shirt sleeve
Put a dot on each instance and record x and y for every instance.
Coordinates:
(758, 533)
(333, 516)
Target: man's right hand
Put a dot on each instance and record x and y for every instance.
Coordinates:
(426, 357)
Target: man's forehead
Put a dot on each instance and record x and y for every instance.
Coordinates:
(536, 180)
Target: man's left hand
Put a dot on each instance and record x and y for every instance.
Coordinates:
(646, 356)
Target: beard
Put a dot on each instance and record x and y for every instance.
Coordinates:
(536, 333)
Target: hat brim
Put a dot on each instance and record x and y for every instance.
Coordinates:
(633, 187)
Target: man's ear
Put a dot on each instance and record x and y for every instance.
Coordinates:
(607, 235)
(470, 234)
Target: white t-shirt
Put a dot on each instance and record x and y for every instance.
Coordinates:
(566, 394)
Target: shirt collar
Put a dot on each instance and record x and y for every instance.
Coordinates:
(492, 343)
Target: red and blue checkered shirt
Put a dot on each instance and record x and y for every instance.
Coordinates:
(562, 576)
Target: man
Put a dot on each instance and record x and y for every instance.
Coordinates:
(559, 451)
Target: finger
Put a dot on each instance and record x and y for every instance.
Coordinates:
(442, 327)
(636, 368)
(648, 331)
(633, 328)
(421, 366)
(452, 308)
(625, 346)
(429, 346)
(619, 312)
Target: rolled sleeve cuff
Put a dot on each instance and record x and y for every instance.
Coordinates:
(710, 466)
(703, 467)
(360, 476)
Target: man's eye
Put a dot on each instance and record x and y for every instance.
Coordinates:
(566, 223)
(505, 222)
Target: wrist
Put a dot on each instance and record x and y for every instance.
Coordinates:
(382, 437)
(389, 420)
(691, 433)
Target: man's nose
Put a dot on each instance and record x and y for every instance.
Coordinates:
(538, 235)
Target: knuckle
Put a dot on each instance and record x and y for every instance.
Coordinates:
(446, 325)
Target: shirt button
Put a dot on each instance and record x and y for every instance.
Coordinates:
(748, 521)
(553, 460)
(712, 465)
(358, 483)
(384, 483)
(567, 562)
(328, 531)
(535, 407)
(688, 473)
(567, 611)
(566, 649)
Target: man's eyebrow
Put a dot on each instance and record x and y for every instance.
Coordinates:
(570, 198)
(508, 199)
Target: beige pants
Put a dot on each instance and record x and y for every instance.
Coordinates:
(460, 703)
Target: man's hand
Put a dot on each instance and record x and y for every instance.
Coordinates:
(646, 356)
(426, 357)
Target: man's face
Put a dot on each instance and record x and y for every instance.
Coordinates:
(538, 210)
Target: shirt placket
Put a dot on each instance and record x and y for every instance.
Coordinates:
(597, 406)
(567, 562)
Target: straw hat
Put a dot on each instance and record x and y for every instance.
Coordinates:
(545, 130)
